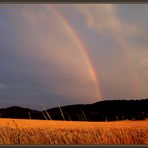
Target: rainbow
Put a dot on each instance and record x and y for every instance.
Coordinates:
(81, 47)
(133, 74)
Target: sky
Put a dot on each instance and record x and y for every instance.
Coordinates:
(62, 54)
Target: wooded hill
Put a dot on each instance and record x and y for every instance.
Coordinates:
(108, 110)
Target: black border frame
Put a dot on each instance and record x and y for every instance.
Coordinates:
(75, 2)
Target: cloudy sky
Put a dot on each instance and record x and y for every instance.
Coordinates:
(60, 54)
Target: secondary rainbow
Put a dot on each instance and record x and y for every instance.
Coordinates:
(133, 74)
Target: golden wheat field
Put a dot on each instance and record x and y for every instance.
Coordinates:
(16, 131)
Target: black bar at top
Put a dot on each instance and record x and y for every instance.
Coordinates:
(74, 1)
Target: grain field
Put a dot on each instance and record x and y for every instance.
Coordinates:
(15, 131)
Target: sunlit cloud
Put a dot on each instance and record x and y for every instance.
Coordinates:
(105, 20)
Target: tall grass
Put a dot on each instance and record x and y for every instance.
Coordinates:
(69, 132)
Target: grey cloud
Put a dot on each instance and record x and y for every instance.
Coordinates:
(36, 51)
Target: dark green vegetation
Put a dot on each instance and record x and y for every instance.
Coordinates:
(109, 110)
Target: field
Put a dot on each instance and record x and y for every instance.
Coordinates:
(15, 131)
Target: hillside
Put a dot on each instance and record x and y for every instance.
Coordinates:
(108, 110)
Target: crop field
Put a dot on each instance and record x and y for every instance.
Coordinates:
(16, 131)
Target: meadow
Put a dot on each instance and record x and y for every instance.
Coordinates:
(21, 131)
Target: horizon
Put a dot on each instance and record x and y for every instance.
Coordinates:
(59, 54)
(57, 106)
